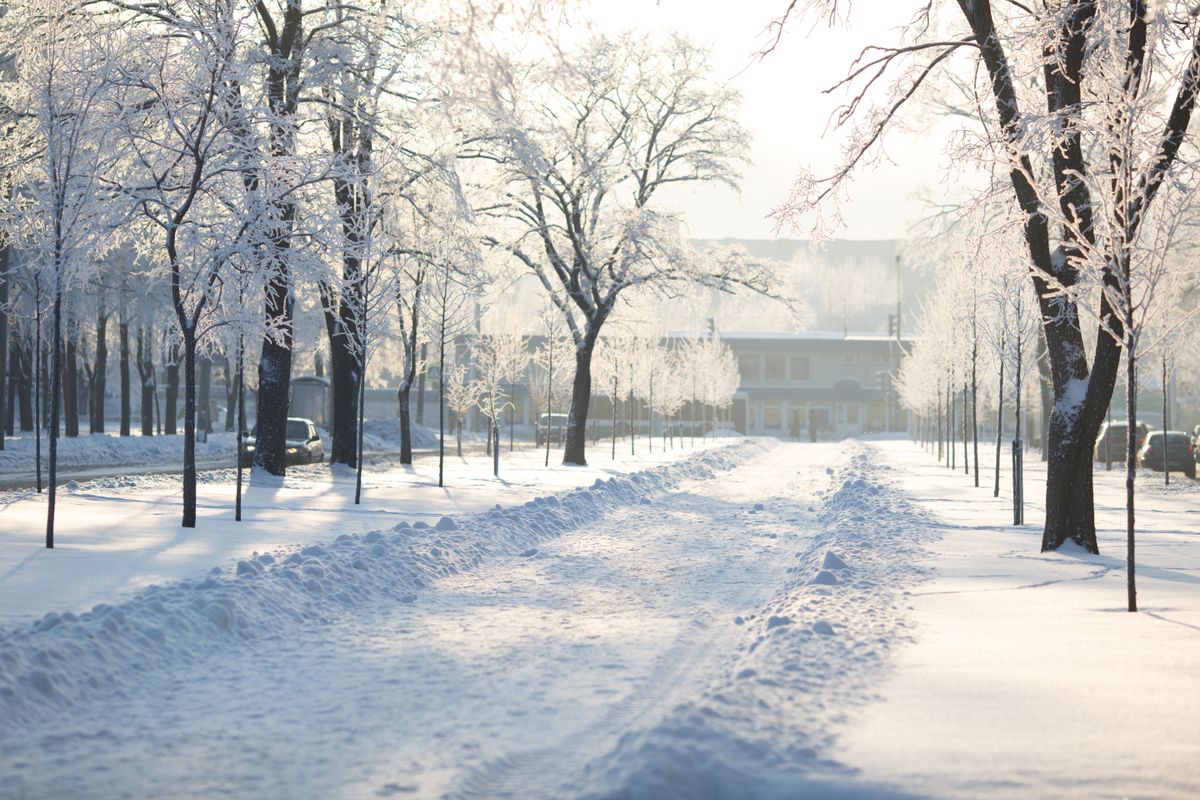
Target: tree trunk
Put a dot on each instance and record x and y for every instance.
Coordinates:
(171, 412)
(145, 367)
(1131, 460)
(38, 388)
(5, 402)
(581, 396)
(241, 422)
(71, 383)
(123, 341)
(204, 399)
(403, 395)
(999, 422)
(55, 393)
(99, 373)
(25, 387)
(344, 378)
(189, 430)
(421, 386)
(10, 403)
(1166, 422)
(231, 384)
(441, 400)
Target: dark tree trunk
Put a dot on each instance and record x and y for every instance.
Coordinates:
(99, 373)
(999, 421)
(421, 385)
(71, 383)
(189, 430)
(405, 425)
(204, 399)
(581, 397)
(55, 400)
(231, 389)
(44, 384)
(171, 401)
(1131, 461)
(145, 368)
(241, 422)
(126, 404)
(441, 399)
(282, 88)
(344, 377)
(25, 386)
(5, 402)
(274, 390)
(10, 389)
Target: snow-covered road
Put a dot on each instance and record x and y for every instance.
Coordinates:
(512, 672)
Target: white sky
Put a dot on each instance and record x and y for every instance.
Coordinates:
(786, 113)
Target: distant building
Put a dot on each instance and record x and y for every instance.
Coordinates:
(843, 383)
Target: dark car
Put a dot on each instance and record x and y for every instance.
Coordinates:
(1110, 444)
(552, 425)
(304, 444)
(1180, 455)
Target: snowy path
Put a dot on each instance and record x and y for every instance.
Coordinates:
(520, 675)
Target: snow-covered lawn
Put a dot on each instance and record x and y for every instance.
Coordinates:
(101, 450)
(94, 456)
(1028, 678)
(761, 619)
(117, 535)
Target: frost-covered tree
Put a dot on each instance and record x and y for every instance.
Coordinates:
(185, 179)
(580, 151)
(1118, 83)
(65, 70)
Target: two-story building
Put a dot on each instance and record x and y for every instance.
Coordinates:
(842, 383)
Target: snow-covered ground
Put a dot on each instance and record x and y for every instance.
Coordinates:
(93, 456)
(107, 449)
(1028, 678)
(760, 619)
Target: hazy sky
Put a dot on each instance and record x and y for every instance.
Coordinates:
(786, 112)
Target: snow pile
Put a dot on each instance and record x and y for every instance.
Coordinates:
(384, 432)
(59, 660)
(821, 647)
(99, 450)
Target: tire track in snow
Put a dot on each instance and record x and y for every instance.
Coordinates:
(680, 672)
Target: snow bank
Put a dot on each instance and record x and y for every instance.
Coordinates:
(54, 663)
(384, 432)
(102, 449)
(763, 729)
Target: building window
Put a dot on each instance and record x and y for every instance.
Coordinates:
(879, 358)
(776, 366)
(852, 413)
(748, 367)
(799, 368)
(850, 358)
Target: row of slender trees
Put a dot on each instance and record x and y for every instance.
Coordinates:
(1076, 118)
(678, 382)
(208, 171)
(979, 346)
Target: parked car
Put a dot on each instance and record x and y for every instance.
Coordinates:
(304, 445)
(1110, 444)
(1180, 457)
(552, 425)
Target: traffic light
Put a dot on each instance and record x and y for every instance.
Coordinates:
(892, 325)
